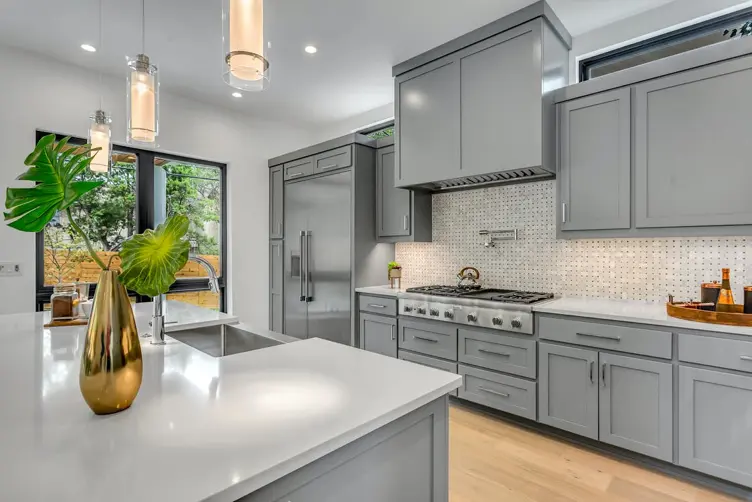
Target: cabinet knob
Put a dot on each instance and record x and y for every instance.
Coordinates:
(435, 312)
(517, 323)
(497, 321)
(472, 317)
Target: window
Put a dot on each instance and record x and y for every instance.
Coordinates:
(141, 188)
(710, 32)
(380, 131)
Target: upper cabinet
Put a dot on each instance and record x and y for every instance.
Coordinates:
(276, 203)
(595, 155)
(401, 215)
(478, 110)
(678, 140)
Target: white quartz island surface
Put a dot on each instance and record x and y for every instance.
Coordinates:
(201, 428)
(629, 311)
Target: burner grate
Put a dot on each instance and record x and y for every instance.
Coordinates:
(475, 291)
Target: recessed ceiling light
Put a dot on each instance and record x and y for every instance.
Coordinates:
(311, 49)
(237, 95)
(88, 48)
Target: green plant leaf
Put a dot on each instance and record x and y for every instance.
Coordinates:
(52, 167)
(151, 260)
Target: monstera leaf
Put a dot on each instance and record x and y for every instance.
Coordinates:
(53, 168)
(151, 260)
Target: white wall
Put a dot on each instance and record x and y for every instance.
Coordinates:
(665, 18)
(38, 93)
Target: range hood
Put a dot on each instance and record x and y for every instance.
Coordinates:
(485, 180)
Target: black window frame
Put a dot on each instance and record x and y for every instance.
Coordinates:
(145, 214)
(584, 66)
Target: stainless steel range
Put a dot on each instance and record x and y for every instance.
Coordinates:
(501, 309)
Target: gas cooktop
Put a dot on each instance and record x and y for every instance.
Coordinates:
(479, 293)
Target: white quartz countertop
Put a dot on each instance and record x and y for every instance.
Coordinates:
(201, 428)
(629, 311)
(382, 291)
(181, 316)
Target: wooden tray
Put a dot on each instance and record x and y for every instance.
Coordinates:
(736, 317)
(63, 324)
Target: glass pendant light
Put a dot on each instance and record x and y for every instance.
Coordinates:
(143, 95)
(99, 128)
(245, 46)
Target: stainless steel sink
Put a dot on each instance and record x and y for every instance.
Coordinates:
(228, 339)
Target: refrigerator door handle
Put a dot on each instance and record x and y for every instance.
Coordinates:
(302, 266)
(309, 298)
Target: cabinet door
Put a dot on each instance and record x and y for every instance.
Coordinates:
(595, 162)
(379, 334)
(276, 280)
(715, 436)
(568, 395)
(501, 110)
(427, 121)
(636, 405)
(392, 204)
(276, 202)
(691, 146)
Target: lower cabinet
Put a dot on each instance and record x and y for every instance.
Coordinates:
(379, 334)
(505, 393)
(276, 280)
(715, 423)
(620, 400)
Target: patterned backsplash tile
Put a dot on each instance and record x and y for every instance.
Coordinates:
(638, 269)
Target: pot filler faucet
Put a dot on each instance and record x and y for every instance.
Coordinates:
(157, 318)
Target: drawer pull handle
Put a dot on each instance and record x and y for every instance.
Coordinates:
(328, 167)
(745, 358)
(376, 306)
(391, 328)
(592, 363)
(502, 354)
(607, 337)
(425, 339)
(494, 392)
(295, 175)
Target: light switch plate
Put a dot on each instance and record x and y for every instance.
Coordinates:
(10, 269)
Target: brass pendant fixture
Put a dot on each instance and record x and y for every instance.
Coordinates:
(111, 363)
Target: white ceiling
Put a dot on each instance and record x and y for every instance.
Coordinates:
(358, 41)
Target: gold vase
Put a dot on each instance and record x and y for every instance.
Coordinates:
(111, 364)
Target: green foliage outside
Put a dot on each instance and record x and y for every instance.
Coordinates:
(382, 133)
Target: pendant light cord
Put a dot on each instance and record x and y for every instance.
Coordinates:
(143, 26)
(101, 49)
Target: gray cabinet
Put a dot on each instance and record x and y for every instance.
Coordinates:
(691, 146)
(276, 202)
(379, 334)
(568, 393)
(714, 423)
(276, 281)
(594, 162)
(333, 159)
(636, 405)
(401, 215)
(501, 109)
(431, 338)
(298, 168)
(427, 118)
(502, 392)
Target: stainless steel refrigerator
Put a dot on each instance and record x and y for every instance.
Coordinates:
(330, 249)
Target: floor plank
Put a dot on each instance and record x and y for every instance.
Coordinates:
(492, 460)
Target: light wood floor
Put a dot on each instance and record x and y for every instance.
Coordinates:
(491, 460)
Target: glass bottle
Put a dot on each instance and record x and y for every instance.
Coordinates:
(725, 296)
(64, 302)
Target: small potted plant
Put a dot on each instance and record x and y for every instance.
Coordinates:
(394, 274)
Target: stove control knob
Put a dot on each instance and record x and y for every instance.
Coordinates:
(422, 310)
(448, 314)
(497, 321)
(408, 308)
(435, 312)
(516, 322)
(472, 317)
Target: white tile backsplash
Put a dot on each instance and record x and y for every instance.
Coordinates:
(637, 269)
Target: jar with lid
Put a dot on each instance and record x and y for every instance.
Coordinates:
(64, 302)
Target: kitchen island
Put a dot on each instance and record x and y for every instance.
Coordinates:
(310, 420)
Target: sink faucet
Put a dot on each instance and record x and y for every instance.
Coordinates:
(157, 318)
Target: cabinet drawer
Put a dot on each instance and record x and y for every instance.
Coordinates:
(299, 168)
(333, 159)
(377, 305)
(433, 339)
(497, 352)
(431, 362)
(509, 394)
(718, 352)
(647, 342)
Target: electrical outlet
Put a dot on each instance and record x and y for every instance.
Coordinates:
(10, 269)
